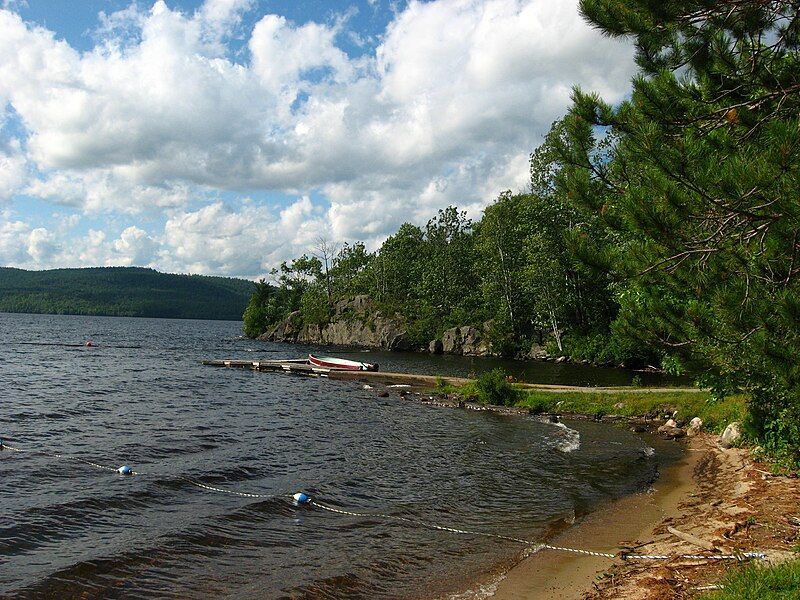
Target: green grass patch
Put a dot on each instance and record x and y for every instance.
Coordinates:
(781, 582)
(716, 414)
(493, 388)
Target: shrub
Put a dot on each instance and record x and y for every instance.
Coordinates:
(493, 387)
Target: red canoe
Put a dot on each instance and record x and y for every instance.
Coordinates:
(330, 362)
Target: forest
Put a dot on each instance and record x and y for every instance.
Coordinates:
(662, 228)
(123, 292)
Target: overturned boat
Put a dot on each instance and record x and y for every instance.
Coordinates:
(330, 362)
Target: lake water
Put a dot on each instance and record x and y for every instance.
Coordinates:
(141, 397)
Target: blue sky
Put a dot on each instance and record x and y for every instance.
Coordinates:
(223, 136)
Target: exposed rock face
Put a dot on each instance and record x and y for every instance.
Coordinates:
(360, 329)
(435, 347)
(464, 340)
(731, 435)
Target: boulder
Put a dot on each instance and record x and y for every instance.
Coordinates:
(451, 341)
(473, 342)
(671, 433)
(435, 347)
(667, 426)
(537, 352)
(731, 435)
(695, 427)
(561, 359)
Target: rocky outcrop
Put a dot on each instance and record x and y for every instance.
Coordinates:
(465, 340)
(353, 325)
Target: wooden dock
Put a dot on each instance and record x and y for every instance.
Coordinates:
(300, 366)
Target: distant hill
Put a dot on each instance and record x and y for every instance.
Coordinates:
(123, 292)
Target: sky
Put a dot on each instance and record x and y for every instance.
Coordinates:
(222, 137)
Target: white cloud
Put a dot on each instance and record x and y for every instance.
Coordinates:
(13, 169)
(158, 115)
(247, 240)
(135, 248)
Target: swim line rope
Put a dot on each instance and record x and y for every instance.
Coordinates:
(301, 499)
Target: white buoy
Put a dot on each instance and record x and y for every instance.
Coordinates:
(125, 470)
(301, 498)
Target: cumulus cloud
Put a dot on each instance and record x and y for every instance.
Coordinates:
(158, 115)
(13, 169)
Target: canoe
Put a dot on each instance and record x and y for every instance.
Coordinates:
(330, 362)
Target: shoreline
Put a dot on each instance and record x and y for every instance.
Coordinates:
(565, 576)
(720, 496)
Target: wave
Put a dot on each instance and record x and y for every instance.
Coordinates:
(569, 440)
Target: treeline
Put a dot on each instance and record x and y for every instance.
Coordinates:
(123, 291)
(510, 274)
(669, 222)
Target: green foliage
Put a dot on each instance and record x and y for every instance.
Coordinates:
(695, 180)
(493, 387)
(314, 306)
(123, 291)
(755, 582)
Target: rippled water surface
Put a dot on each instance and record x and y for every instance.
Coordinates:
(141, 397)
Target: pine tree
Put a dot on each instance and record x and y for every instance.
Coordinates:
(700, 178)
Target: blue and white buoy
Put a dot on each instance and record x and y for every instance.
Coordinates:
(301, 498)
(125, 470)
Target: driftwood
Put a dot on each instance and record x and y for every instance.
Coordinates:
(695, 541)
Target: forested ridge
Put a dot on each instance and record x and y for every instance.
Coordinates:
(123, 291)
(663, 228)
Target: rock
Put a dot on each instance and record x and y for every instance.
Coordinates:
(285, 331)
(695, 427)
(731, 435)
(464, 340)
(383, 395)
(671, 433)
(451, 341)
(367, 386)
(537, 352)
(435, 347)
(667, 426)
(561, 359)
(359, 304)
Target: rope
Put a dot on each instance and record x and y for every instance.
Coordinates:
(211, 488)
(535, 547)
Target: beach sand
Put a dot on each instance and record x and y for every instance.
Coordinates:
(720, 496)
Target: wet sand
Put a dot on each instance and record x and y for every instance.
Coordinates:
(559, 575)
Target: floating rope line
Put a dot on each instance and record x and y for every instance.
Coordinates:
(536, 547)
(211, 488)
(126, 470)
(301, 498)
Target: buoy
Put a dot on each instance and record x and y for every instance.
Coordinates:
(301, 498)
(124, 470)
(89, 343)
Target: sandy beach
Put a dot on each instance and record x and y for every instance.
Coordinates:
(722, 497)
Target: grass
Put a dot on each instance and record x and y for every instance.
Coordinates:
(716, 414)
(781, 582)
